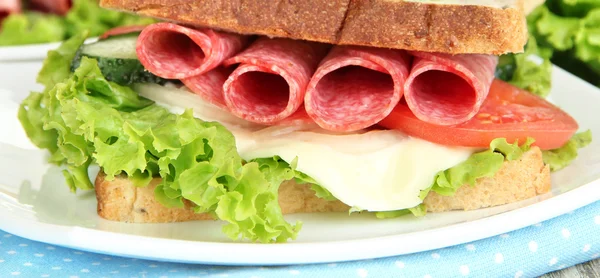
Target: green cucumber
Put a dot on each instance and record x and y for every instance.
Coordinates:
(118, 60)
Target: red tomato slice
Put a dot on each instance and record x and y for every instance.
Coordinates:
(508, 112)
(122, 30)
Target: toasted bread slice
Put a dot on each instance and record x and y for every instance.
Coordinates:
(120, 200)
(449, 26)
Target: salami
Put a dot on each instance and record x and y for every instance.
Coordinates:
(209, 86)
(60, 7)
(8, 7)
(122, 30)
(356, 87)
(176, 52)
(447, 90)
(270, 82)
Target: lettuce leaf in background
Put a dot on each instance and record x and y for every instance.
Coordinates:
(570, 29)
(87, 15)
(34, 27)
(30, 28)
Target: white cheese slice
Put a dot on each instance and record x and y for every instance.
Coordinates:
(378, 170)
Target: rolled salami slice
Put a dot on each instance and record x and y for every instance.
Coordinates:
(122, 30)
(446, 90)
(269, 84)
(356, 87)
(176, 52)
(209, 86)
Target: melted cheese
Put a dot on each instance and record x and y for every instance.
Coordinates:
(377, 170)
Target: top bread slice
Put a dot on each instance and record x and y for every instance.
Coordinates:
(447, 26)
(120, 200)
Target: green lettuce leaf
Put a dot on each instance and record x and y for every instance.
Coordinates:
(87, 15)
(32, 27)
(532, 72)
(86, 120)
(559, 158)
(478, 165)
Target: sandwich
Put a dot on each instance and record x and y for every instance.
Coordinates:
(244, 112)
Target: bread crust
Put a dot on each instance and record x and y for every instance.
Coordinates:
(431, 27)
(120, 200)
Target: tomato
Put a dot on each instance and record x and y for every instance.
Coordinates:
(508, 112)
(122, 30)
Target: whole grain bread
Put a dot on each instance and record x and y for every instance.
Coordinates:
(448, 26)
(120, 200)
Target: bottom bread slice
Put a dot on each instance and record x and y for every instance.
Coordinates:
(120, 200)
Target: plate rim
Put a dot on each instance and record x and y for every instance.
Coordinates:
(293, 253)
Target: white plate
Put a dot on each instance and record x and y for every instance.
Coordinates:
(29, 51)
(36, 204)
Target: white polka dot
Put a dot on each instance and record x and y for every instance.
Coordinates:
(427, 276)
(85, 270)
(56, 268)
(107, 258)
(504, 236)
(77, 253)
(27, 264)
(124, 265)
(73, 276)
(435, 256)
(464, 270)
(362, 272)
(50, 248)
(294, 272)
(39, 255)
(565, 233)
(596, 255)
(537, 224)
(67, 260)
(499, 258)
(23, 245)
(163, 276)
(533, 246)
(1, 261)
(15, 273)
(597, 219)
(11, 252)
(586, 248)
(470, 247)
(562, 266)
(332, 265)
(399, 264)
(519, 274)
(96, 263)
(262, 268)
(553, 261)
(7, 235)
(153, 265)
(114, 272)
(45, 275)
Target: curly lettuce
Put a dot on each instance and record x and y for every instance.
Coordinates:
(568, 31)
(85, 119)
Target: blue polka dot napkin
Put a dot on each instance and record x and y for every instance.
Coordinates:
(557, 243)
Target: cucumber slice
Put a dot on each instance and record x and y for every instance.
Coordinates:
(118, 60)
